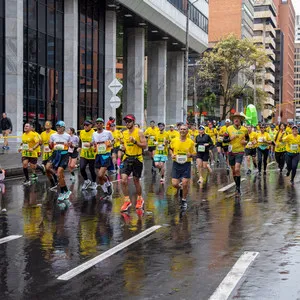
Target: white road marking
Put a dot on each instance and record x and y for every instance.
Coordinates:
(85, 266)
(234, 276)
(229, 186)
(9, 238)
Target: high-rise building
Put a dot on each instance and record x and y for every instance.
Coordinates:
(286, 24)
(297, 31)
(230, 16)
(297, 82)
(264, 36)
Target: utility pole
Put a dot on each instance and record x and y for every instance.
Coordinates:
(195, 97)
(186, 63)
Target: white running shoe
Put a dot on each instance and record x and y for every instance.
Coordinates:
(93, 186)
(86, 184)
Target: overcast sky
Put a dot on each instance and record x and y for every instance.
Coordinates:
(297, 6)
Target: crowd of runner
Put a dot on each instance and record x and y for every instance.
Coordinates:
(107, 149)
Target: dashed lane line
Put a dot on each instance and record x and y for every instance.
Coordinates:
(9, 238)
(85, 266)
(233, 278)
(229, 186)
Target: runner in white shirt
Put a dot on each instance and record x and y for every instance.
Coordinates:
(103, 142)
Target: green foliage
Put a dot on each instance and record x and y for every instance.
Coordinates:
(232, 57)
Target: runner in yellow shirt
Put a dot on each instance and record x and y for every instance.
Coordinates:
(150, 134)
(116, 152)
(272, 132)
(28, 147)
(173, 133)
(292, 152)
(212, 132)
(239, 138)
(264, 142)
(222, 146)
(250, 149)
(182, 151)
(280, 149)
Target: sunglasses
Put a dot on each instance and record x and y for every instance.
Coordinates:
(87, 124)
(58, 126)
(128, 121)
(99, 122)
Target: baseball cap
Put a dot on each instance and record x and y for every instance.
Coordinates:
(111, 118)
(227, 121)
(87, 122)
(130, 117)
(112, 125)
(100, 120)
(61, 124)
(172, 126)
(161, 124)
(295, 126)
(201, 127)
(48, 124)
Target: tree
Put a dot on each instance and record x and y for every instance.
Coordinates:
(230, 58)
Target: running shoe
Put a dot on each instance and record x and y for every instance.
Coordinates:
(292, 182)
(126, 217)
(126, 205)
(53, 188)
(41, 168)
(67, 194)
(26, 182)
(265, 172)
(140, 212)
(67, 203)
(288, 173)
(104, 196)
(162, 180)
(72, 178)
(34, 176)
(110, 189)
(183, 205)
(139, 202)
(61, 197)
(86, 184)
(248, 172)
(93, 186)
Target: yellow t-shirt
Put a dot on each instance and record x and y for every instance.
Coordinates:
(252, 140)
(45, 136)
(132, 149)
(192, 134)
(240, 133)
(221, 133)
(29, 140)
(280, 146)
(151, 133)
(263, 139)
(162, 146)
(117, 135)
(87, 151)
(173, 134)
(272, 134)
(289, 130)
(182, 149)
(212, 133)
(292, 143)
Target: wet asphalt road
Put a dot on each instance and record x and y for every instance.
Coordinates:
(185, 259)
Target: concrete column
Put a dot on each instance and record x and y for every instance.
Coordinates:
(157, 73)
(134, 65)
(14, 63)
(71, 63)
(175, 87)
(110, 58)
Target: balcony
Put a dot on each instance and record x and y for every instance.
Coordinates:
(265, 15)
(271, 66)
(267, 28)
(270, 77)
(260, 40)
(267, 113)
(270, 53)
(269, 89)
(269, 101)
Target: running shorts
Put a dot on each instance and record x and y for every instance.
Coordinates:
(31, 160)
(204, 156)
(235, 158)
(103, 161)
(250, 152)
(181, 170)
(160, 158)
(131, 165)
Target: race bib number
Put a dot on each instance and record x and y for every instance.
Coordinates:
(294, 147)
(101, 148)
(47, 149)
(152, 138)
(261, 140)
(25, 147)
(86, 146)
(250, 144)
(181, 159)
(161, 147)
(230, 148)
(71, 150)
(201, 148)
(221, 138)
(59, 147)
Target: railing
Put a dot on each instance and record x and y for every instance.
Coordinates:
(195, 14)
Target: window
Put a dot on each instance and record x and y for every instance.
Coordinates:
(88, 53)
(2, 56)
(43, 61)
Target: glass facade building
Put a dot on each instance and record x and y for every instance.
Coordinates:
(90, 59)
(43, 61)
(2, 55)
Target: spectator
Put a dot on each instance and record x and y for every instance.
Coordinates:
(109, 122)
(6, 128)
